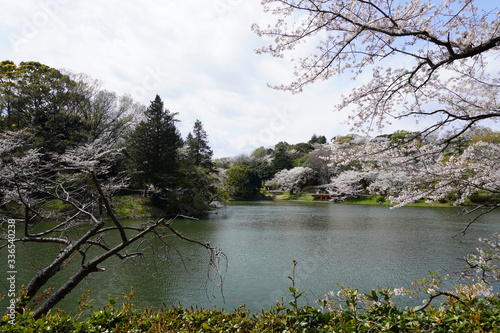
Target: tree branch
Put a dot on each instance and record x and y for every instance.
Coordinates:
(108, 207)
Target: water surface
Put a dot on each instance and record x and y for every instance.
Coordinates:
(356, 245)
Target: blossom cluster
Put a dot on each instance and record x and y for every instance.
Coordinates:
(27, 173)
(290, 180)
(413, 58)
(430, 169)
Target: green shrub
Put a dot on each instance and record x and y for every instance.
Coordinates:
(474, 315)
(483, 199)
(345, 311)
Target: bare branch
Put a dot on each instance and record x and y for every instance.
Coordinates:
(108, 207)
(487, 211)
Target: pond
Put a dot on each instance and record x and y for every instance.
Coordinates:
(356, 245)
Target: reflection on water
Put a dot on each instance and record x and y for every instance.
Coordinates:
(360, 246)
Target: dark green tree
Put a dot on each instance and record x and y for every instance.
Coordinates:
(281, 158)
(199, 188)
(313, 139)
(317, 139)
(262, 168)
(199, 191)
(45, 100)
(58, 131)
(322, 139)
(153, 148)
(243, 182)
(198, 150)
(61, 109)
(7, 96)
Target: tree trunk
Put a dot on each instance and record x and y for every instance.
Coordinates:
(64, 290)
(41, 278)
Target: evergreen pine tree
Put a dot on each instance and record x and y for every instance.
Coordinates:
(153, 147)
(199, 188)
(281, 158)
(198, 150)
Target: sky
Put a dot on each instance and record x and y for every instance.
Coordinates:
(197, 55)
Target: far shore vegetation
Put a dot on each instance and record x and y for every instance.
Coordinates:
(140, 207)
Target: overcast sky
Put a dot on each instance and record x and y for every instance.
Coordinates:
(198, 55)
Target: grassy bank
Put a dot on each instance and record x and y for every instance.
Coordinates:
(127, 207)
(285, 196)
(359, 200)
(380, 200)
(135, 207)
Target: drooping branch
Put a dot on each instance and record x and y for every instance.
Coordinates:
(472, 221)
(92, 265)
(430, 43)
(214, 257)
(439, 294)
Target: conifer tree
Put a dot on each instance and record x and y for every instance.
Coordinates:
(281, 158)
(198, 150)
(199, 179)
(153, 147)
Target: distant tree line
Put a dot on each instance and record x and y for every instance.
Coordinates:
(389, 165)
(297, 166)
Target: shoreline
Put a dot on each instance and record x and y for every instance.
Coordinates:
(360, 200)
(137, 207)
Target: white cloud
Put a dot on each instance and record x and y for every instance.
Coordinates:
(197, 55)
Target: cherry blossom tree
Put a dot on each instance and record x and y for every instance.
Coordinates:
(424, 59)
(425, 169)
(382, 166)
(428, 169)
(291, 180)
(387, 182)
(427, 59)
(82, 181)
(351, 183)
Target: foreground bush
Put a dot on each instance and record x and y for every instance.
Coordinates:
(466, 314)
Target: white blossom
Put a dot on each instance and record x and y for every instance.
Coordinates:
(423, 59)
(290, 180)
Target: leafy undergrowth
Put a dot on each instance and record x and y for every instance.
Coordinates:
(348, 310)
(454, 315)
